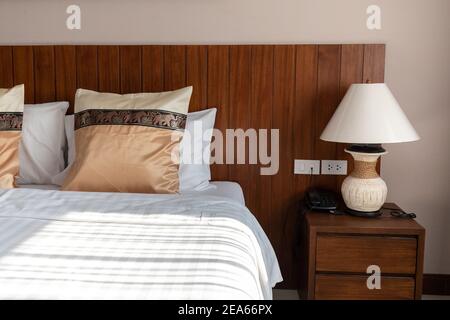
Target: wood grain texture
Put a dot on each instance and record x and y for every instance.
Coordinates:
(240, 94)
(219, 77)
(304, 137)
(109, 69)
(44, 74)
(394, 255)
(87, 67)
(284, 203)
(130, 69)
(347, 245)
(294, 88)
(6, 67)
(305, 109)
(348, 224)
(66, 74)
(420, 263)
(353, 287)
(374, 59)
(24, 70)
(197, 76)
(327, 102)
(259, 195)
(152, 68)
(174, 67)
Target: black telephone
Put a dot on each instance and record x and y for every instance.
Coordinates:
(321, 200)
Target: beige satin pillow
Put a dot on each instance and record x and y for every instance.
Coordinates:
(11, 116)
(126, 143)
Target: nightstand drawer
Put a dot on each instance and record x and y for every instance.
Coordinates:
(342, 253)
(338, 287)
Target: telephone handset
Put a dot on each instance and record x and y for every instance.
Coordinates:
(321, 200)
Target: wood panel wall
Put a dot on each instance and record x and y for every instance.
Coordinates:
(294, 88)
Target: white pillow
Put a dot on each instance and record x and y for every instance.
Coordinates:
(41, 151)
(70, 136)
(69, 122)
(194, 176)
(194, 172)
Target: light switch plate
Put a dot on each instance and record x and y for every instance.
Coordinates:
(334, 167)
(307, 167)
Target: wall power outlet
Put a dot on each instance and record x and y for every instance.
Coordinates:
(334, 167)
(307, 167)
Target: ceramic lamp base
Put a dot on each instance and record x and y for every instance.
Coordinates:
(363, 190)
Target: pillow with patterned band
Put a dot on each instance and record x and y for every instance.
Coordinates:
(126, 143)
(11, 117)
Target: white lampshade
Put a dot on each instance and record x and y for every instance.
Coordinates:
(369, 114)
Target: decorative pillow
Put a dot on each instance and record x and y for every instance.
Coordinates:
(41, 151)
(195, 150)
(11, 116)
(194, 172)
(127, 143)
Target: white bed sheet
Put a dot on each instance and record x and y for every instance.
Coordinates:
(80, 245)
(226, 189)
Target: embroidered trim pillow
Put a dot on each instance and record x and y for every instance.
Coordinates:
(127, 143)
(11, 116)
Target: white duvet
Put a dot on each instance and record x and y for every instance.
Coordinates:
(74, 245)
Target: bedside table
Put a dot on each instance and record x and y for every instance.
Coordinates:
(339, 249)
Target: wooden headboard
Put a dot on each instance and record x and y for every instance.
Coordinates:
(294, 88)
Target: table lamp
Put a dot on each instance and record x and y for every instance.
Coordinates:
(367, 117)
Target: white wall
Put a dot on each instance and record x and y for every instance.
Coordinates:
(417, 34)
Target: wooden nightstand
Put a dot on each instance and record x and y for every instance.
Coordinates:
(338, 250)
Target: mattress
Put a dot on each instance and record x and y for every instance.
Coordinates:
(82, 245)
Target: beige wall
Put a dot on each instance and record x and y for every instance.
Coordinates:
(417, 34)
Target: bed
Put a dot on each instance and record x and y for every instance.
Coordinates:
(88, 245)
